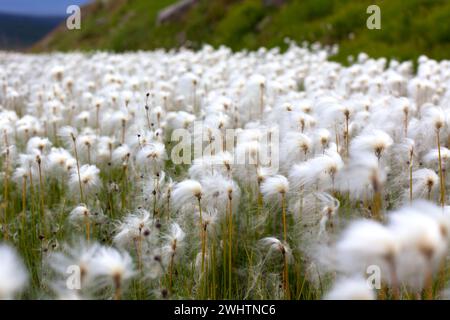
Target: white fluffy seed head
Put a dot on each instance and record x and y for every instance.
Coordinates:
(275, 245)
(355, 288)
(185, 191)
(274, 186)
(58, 159)
(13, 275)
(134, 228)
(111, 263)
(89, 177)
(366, 243)
(376, 141)
(79, 214)
(422, 230)
(425, 182)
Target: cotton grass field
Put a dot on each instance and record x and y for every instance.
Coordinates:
(333, 186)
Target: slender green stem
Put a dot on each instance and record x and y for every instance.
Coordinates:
(202, 235)
(287, 291)
(441, 173)
(118, 288)
(24, 204)
(410, 182)
(172, 256)
(230, 246)
(283, 209)
(42, 196)
(78, 169)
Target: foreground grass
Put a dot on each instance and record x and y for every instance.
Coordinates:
(37, 231)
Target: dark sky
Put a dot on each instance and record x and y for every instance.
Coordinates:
(39, 7)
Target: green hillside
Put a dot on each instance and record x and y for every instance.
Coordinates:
(409, 27)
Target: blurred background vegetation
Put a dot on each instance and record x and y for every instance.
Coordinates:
(409, 27)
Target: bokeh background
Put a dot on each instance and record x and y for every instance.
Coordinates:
(409, 27)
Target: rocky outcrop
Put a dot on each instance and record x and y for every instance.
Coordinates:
(273, 3)
(174, 11)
